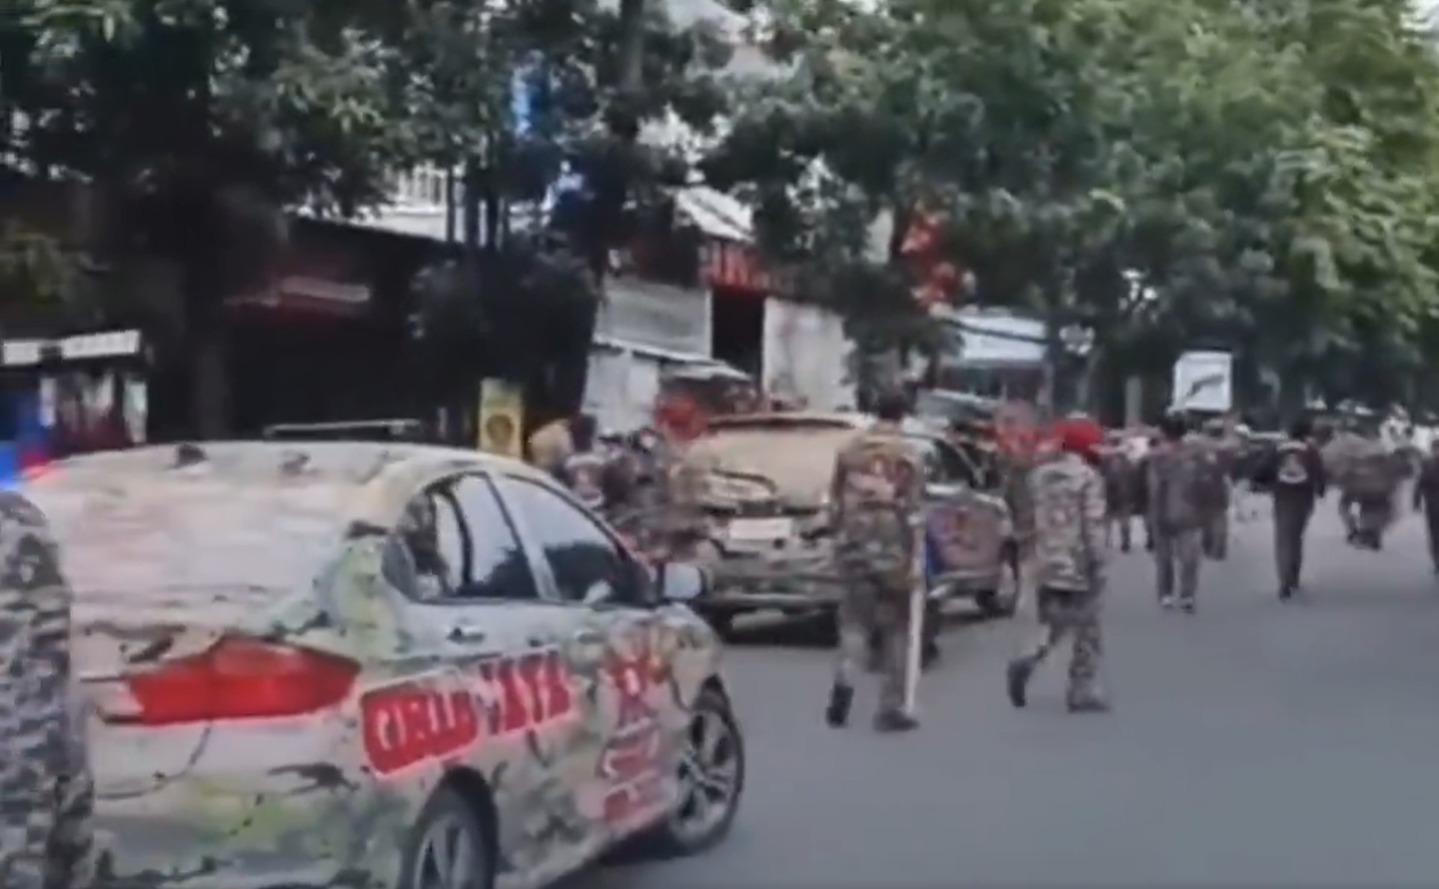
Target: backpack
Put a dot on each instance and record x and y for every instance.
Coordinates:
(1293, 469)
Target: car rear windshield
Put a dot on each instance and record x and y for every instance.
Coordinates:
(166, 535)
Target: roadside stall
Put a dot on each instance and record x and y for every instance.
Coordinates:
(78, 394)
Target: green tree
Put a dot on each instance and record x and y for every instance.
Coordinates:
(198, 122)
(1164, 173)
(594, 75)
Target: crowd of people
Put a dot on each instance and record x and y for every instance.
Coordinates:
(1075, 493)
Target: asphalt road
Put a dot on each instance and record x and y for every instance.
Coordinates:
(1255, 743)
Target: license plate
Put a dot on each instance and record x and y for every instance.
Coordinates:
(754, 530)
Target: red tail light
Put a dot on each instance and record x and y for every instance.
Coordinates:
(240, 679)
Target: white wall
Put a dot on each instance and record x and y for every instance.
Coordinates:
(805, 354)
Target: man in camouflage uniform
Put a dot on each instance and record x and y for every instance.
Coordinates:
(1069, 545)
(583, 470)
(1014, 472)
(1121, 492)
(1178, 480)
(1224, 449)
(1337, 453)
(1426, 499)
(47, 795)
(877, 502)
(1368, 480)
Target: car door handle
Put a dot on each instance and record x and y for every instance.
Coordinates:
(462, 633)
(589, 637)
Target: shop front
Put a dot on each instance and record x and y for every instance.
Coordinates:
(320, 343)
(643, 329)
(74, 395)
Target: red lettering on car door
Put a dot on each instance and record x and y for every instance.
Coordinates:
(411, 722)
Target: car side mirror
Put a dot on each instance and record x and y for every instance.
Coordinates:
(681, 582)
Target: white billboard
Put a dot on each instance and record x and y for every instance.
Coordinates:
(1203, 381)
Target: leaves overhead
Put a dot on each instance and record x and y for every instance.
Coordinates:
(1171, 173)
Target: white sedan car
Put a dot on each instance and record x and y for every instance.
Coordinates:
(346, 664)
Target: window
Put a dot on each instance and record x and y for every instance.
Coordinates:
(586, 563)
(943, 465)
(462, 546)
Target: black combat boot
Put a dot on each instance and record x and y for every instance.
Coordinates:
(1286, 591)
(841, 697)
(1016, 682)
(895, 721)
(928, 654)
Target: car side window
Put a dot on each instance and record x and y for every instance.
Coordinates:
(462, 546)
(588, 565)
(932, 457)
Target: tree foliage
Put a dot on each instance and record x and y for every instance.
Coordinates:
(202, 122)
(1170, 174)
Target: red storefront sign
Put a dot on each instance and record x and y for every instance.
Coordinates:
(730, 265)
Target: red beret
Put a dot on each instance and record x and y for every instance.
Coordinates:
(1080, 435)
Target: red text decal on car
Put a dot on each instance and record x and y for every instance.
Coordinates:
(433, 719)
(633, 765)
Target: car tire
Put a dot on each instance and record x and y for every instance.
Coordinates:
(711, 762)
(448, 813)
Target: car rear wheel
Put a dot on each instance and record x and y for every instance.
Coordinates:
(712, 773)
(449, 847)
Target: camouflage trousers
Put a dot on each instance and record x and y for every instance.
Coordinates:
(1366, 518)
(1074, 616)
(1177, 552)
(46, 831)
(868, 608)
(1214, 538)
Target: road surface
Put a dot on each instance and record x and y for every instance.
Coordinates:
(1255, 743)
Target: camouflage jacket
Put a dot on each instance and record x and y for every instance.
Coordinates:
(1178, 482)
(877, 500)
(46, 791)
(1069, 511)
(1369, 471)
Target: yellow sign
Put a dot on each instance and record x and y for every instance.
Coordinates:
(502, 413)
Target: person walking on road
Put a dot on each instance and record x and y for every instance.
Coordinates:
(1070, 550)
(877, 498)
(47, 794)
(1369, 482)
(1426, 499)
(1121, 493)
(1179, 472)
(1224, 448)
(1296, 480)
(583, 469)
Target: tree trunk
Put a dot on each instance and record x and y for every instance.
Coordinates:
(204, 326)
(211, 387)
(569, 375)
(632, 46)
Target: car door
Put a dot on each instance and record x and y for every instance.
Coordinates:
(632, 646)
(477, 604)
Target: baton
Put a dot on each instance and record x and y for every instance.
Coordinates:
(917, 603)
